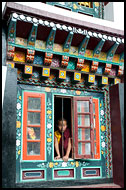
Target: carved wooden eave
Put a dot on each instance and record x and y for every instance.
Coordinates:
(25, 25)
(29, 25)
(11, 7)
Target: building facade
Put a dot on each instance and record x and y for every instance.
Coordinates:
(56, 66)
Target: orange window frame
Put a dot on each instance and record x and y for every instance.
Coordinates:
(97, 155)
(42, 127)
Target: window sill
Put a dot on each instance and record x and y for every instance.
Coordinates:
(70, 159)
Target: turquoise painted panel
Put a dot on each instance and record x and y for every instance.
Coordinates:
(38, 59)
(80, 148)
(33, 174)
(63, 173)
(90, 172)
(100, 70)
(71, 65)
(79, 133)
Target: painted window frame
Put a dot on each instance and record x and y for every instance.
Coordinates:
(90, 99)
(97, 141)
(42, 126)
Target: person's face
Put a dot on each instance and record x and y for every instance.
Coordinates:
(64, 125)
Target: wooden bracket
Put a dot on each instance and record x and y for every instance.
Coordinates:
(48, 59)
(64, 62)
(10, 52)
(94, 66)
(120, 70)
(80, 64)
(67, 44)
(107, 68)
(51, 38)
(12, 31)
(30, 55)
(112, 51)
(97, 50)
(83, 45)
(32, 36)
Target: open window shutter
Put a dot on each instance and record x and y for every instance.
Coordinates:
(83, 128)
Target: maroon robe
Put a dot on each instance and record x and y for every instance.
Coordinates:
(66, 136)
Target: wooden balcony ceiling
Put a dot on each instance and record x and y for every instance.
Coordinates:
(23, 30)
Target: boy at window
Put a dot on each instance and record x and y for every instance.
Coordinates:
(66, 140)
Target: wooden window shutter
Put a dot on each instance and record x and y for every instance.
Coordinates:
(33, 126)
(83, 128)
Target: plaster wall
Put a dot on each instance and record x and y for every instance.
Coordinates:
(109, 12)
(4, 72)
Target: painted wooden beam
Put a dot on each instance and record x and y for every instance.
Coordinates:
(67, 44)
(91, 78)
(98, 48)
(77, 76)
(121, 57)
(112, 51)
(117, 80)
(12, 30)
(46, 72)
(104, 80)
(32, 36)
(28, 69)
(83, 45)
(50, 39)
(62, 74)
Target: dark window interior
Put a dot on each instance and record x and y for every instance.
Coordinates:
(66, 113)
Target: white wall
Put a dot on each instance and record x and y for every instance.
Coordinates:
(4, 72)
(109, 12)
(119, 14)
(3, 4)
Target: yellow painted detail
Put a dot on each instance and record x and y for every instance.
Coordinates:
(103, 128)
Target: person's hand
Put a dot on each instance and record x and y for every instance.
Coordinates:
(57, 157)
(65, 158)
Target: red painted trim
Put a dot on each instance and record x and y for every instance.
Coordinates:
(42, 127)
(89, 169)
(97, 156)
(34, 177)
(75, 99)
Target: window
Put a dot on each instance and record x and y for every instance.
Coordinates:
(84, 130)
(63, 108)
(34, 126)
(86, 4)
(82, 114)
